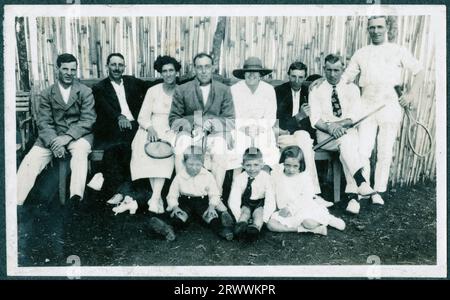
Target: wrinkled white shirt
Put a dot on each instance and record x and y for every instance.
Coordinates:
(295, 102)
(205, 92)
(320, 102)
(120, 92)
(203, 184)
(258, 108)
(65, 93)
(262, 187)
(380, 65)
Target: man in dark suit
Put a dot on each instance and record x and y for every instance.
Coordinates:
(292, 103)
(293, 117)
(118, 100)
(65, 121)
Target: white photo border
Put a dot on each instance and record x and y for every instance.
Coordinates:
(438, 28)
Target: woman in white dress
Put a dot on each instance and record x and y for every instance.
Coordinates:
(153, 125)
(294, 193)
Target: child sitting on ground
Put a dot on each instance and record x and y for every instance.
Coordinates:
(194, 193)
(251, 195)
(297, 210)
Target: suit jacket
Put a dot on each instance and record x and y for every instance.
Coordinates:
(284, 110)
(188, 99)
(55, 117)
(107, 105)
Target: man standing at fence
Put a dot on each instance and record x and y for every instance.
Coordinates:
(380, 67)
(335, 106)
(293, 117)
(65, 119)
(118, 100)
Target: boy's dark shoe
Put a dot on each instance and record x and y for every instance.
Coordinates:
(162, 228)
(240, 229)
(226, 219)
(252, 232)
(226, 233)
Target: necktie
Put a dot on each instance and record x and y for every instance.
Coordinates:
(337, 111)
(248, 189)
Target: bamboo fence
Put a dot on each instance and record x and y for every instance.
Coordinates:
(278, 41)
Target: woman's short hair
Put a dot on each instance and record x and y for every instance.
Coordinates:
(194, 152)
(294, 152)
(166, 60)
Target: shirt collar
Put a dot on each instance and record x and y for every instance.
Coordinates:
(63, 88)
(117, 84)
(185, 175)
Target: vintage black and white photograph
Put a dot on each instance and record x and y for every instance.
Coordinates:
(225, 140)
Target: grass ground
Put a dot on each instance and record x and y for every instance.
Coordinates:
(402, 232)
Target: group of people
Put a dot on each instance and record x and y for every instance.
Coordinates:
(265, 135)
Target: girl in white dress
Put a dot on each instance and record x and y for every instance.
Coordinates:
(297, 211)
(153, 125)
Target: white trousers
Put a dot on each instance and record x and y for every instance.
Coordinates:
(36, 160)
(349, 155)
(382, 128)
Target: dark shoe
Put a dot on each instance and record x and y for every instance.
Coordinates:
(240, 228)
(75, 198)
(252, 232)
(226, 233)
(226, 219)
(159, 226)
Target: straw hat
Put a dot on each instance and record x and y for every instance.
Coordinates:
(251, 64)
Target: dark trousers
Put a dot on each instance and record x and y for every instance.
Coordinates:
(115, 164)
(195, 208)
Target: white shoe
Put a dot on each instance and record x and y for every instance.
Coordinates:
(353, 207)
(364, 189)
(376, 199)
(127, 204)
(96, 182)
(155, 205)
(337, 223)
(323, 202)
(116, 199)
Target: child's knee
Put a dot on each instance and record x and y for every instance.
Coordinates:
(273, 225)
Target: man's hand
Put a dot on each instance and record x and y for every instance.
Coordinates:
(336, 130)
(59, 152)
(124, 123)
(305, 112)
(152, 135)
(60, 142)
(406, 99)
(208, 125)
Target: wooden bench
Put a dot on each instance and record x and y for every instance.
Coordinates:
(97, 155)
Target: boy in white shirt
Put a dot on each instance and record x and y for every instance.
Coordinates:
(194, 192)
(252, 195)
